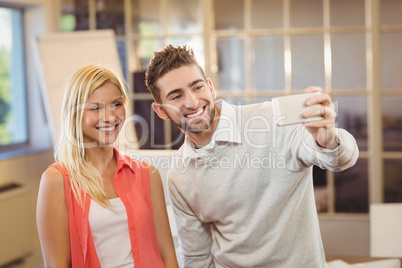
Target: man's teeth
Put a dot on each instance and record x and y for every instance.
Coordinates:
(196, 114)
(107, 128)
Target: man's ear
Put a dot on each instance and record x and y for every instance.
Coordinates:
(160, 111)
(211, 87)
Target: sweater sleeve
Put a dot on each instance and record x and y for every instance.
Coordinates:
(195, 238)
(308, 152)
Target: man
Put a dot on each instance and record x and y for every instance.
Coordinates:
(244, 196)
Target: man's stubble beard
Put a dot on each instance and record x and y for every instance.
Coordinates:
(185, 127)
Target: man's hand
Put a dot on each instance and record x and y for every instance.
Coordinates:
(323, 131)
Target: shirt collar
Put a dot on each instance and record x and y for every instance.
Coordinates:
(227, 131)
(122, 160)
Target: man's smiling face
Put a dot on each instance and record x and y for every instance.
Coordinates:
(187, 99)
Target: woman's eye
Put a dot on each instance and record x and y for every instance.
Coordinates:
(94, 108)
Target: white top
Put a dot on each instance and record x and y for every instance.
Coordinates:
(110, 232)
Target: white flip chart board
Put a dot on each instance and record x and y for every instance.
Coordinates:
(386, 230)
(59, 55)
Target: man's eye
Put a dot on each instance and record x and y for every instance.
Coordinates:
(198, 88)
(176, 97)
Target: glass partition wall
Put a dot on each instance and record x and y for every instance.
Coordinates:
(257, 49)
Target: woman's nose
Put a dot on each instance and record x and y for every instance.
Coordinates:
(109, 113)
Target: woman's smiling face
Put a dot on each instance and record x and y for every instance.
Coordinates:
(103, 116)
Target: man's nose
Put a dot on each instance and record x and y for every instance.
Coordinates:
(191, 101)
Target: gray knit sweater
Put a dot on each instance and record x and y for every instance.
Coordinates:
(251, 204)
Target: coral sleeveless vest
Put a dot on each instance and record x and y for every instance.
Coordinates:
(132, 184)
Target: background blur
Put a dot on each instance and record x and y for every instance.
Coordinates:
(253, 50)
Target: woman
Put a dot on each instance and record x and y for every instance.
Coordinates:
(97, 207)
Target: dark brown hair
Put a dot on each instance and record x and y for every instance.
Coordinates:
(168, 59)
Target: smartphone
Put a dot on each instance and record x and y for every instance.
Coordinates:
(289, 109)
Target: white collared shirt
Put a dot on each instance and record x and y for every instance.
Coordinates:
(227, 131)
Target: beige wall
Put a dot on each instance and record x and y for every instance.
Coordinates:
(26, 170)
(48, 8)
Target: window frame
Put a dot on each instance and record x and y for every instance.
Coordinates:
(34, 22)
(24, 144)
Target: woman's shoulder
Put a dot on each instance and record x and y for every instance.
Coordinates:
(52, 182)
(57, 166)
(53, 174)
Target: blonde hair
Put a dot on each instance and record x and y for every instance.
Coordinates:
(70, 148)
